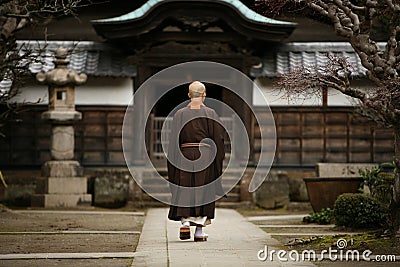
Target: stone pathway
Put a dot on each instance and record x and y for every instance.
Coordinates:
(233, 241)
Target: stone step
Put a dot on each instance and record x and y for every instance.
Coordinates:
(164, 173)
(157, 188)
(235, 189)
(165, 197)
(228, 181)
(229, 176)
(155, 185)
(146, 203)
(231, 205)
(231, 197)
(153, 181)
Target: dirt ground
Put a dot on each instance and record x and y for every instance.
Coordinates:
(67, 243)
(14, 221)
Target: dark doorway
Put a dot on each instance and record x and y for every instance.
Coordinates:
(179, 94)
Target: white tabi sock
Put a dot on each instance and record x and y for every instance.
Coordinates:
(199, 231)
(186, 223)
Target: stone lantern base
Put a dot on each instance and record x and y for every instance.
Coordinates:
(62, 185)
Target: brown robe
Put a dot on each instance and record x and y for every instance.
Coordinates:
(206, 126)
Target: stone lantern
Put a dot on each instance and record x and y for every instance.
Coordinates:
(62, 183)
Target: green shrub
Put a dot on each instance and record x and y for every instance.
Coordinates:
(370, 177)
(379, 182)
(359, 211)
(383, 191)
(325, 216)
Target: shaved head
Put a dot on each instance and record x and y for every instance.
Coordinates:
(196, 89)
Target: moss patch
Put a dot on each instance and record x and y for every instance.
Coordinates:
(377, 242)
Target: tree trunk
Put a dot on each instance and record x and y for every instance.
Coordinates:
(395, 205)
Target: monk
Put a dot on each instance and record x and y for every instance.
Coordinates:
(202, 123)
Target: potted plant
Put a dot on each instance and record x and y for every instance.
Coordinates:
(323, 191)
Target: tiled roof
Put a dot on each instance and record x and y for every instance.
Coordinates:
(239, 6)
(92, 58)
(295, 55)
(96, 59)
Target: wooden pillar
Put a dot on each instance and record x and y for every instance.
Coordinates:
(248, 115)
(140, 105)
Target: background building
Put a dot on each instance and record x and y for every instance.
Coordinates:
(120, 44)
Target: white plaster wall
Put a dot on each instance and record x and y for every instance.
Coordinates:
(335, 98)
(32, 93)
(96, 91)
(276, 98)
(119, 91)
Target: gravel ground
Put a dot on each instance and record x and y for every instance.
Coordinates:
(14, 222)
(70, 243)
(67, 243)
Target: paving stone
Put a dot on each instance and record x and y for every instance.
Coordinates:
(233, 241)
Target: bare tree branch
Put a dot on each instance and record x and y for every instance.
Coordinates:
(394, 7)
(381, 104)
(14, 61)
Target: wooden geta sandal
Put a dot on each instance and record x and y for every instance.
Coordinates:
(201, 238)
(184, 233)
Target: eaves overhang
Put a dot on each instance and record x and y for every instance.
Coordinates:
(238, 16)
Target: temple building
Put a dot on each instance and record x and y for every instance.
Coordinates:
(120, 44)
